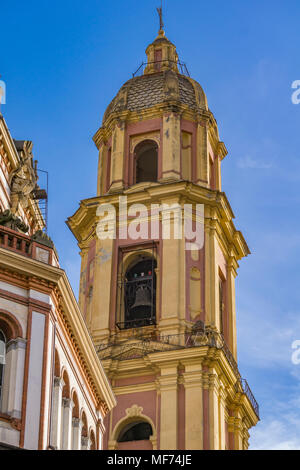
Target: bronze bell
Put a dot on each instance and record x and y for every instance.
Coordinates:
(142, 304)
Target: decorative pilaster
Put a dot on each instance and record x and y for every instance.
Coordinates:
(192, 380)
(67, 423)
(76, 433)
(102, 182)
(173, 272)
(171, 147)
(211, 272)
(168, 384)
(236, 428)
(222, 407)
(231, 275)
(102, 289)
(117, 158)
(214, 410)
(202, 154)
(56, 419)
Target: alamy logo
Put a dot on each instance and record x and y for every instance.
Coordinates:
(296, 354)
(166, 221)
(296, 94)
(2, 92)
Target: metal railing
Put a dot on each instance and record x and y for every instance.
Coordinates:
(243, 384)
(140, 343)
(138, 323)
(181, 66)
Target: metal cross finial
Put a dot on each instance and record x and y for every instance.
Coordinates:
(160, 14)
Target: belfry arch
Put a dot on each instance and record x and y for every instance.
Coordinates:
(137, 295)
(146, 162)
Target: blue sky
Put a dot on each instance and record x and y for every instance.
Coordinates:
(63, 61)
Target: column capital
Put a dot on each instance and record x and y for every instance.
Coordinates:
(67, 403)
(192, 379)
(213, 382)
(168, 382)
(59, 382)
(17, 343)
(76, 422)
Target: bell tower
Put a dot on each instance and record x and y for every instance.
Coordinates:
(159, 303)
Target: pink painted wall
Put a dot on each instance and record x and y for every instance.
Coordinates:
(145, 399)
(134, 380)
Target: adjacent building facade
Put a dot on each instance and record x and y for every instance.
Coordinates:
(54, 393)
(161, 311)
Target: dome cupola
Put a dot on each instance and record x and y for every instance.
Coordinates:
(158, 128)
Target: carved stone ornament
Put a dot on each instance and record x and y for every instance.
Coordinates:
(10, 220)
(23, 179)
(135, 410)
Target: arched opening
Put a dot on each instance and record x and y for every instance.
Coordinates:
(2, 359)
(84, 429)
(84, 432)
(56, 364)
(136, 431)
(146, 161)
(12, 352)
(75, 411)
(66, 388)
(10, 326)
(140, 294)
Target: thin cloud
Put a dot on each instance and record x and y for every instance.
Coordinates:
(249, 162)
(276, 434)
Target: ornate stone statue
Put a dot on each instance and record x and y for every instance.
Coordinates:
(23, 180)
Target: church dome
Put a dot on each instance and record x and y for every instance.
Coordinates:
(161, 83)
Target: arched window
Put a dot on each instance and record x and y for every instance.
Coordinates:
(140, 294)
(146, 158)
(137, 431)
(2, 359)
(12, 353)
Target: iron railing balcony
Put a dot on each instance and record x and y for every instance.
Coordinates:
(137, 323)
(143, 343)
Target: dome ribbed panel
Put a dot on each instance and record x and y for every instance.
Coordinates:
(187, 92)
(145, 92)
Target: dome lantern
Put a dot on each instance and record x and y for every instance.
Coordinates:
(161, 55)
